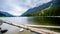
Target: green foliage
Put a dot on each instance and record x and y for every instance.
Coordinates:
(2, 15)
(50, 11)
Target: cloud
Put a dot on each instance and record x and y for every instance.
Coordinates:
(17, 7)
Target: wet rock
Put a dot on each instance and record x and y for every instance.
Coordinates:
(4, 31)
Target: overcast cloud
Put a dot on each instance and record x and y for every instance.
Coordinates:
(17, 7)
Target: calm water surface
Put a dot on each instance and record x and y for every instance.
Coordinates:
(29, 20)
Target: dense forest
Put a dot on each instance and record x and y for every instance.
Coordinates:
(52, 10)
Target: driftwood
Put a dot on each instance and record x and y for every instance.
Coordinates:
(34, 29)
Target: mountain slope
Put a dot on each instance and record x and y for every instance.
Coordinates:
(5, 14)
(35, 10)
(53, 10)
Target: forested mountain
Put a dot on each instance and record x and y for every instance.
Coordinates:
(5, 14)
(52, 10)
(35, 10)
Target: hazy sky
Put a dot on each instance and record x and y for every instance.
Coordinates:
(17, 7)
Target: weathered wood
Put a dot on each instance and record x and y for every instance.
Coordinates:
(38, 30)
(43, 26)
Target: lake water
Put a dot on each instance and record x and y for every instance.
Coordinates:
(29, 20)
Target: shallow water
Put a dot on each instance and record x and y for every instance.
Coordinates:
(28, 20)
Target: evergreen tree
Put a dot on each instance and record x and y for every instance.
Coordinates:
(53, 10)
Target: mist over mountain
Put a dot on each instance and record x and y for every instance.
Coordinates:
(35, 10)
(18, 7)
(52, 10)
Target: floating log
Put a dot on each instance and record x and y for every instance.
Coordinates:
(38, 30)
(43, 26)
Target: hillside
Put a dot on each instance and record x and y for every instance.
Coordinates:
(5, 14)
(34, 11)
(52, 10)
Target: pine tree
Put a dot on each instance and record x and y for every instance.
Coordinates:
(53, 10)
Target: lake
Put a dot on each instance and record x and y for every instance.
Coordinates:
(51, 21)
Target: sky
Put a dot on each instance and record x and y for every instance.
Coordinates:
(18, 7)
